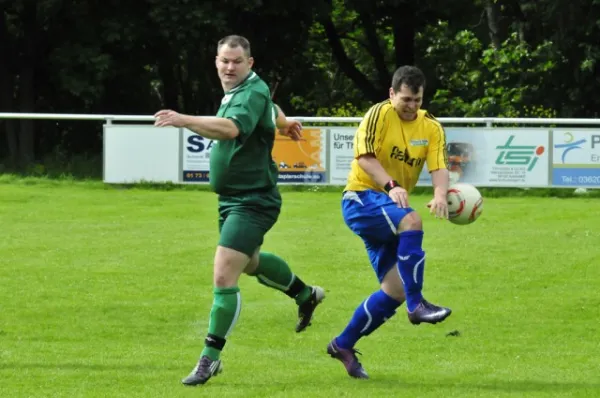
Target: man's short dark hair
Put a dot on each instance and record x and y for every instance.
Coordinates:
(234, 41)
(412, 76)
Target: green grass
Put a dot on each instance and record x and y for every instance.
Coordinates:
(105, 292)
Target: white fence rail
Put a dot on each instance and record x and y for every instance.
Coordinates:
(488, 121)
(489, 152)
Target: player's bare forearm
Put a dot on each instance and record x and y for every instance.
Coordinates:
(214, 128)
(281, 121)
(288, 127)
(440, 179)
(374, 169)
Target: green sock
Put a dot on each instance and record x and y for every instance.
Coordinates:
(224, 314)
(274, 272)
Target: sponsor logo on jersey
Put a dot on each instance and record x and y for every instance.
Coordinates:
(404, 156)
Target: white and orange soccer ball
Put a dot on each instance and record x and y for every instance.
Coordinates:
(465, 203)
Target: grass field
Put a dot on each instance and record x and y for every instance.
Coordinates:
(105, 292)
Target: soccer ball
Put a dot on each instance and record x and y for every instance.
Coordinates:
(465, 203)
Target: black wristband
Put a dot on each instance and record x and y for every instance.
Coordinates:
(391, 185)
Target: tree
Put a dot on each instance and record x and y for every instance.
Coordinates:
(320, 57)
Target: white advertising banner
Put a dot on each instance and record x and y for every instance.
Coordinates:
(497, 157)
(479, 156)
(341, 154)
(300, 161)
(576, 160)
(195, 159)
(486, 157)
(140, 153)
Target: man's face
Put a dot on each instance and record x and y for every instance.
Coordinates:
(406, 102)
(232, 65)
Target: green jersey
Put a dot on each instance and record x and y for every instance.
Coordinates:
(245, 164)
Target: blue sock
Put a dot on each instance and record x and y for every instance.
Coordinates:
(369, 315)
(411, 265)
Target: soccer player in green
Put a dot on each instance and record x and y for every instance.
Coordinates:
(244, 175)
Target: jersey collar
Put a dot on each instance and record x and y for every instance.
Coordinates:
(420, 114)
(251, 76)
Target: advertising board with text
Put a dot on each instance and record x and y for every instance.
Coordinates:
(301, 161)
(341, 154)
(196, 157)
(479, 156)
(496, 157)
(576, 160)
(298, 161)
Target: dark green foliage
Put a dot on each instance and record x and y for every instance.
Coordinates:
(321, 57)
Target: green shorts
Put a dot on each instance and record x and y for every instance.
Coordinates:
(245, 219)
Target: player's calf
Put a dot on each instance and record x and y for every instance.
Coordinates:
(411, 259)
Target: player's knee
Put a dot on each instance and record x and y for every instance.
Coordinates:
(228, 267)
(224, 281)
(392, 285)
(224, 276)
(253, 263)
(411, 222)
(397, 293)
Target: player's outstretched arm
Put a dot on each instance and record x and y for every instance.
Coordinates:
(440, 180)
(214, 128)
(375, 170)
(288, 127)
(437, 163)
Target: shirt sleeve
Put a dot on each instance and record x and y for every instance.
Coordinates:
(368, 136)
(246, 111)
(437, 155)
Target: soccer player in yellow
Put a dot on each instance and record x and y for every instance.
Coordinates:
(391, 146)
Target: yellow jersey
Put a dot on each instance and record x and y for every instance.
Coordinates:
(402, 147)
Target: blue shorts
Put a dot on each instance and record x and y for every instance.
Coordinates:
(375, 218)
